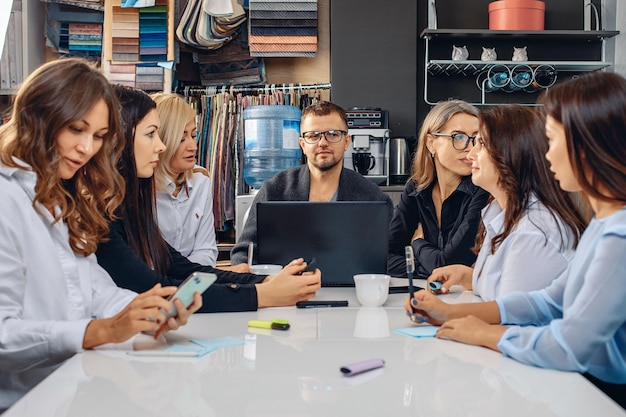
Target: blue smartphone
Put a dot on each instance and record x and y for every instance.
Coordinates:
(196, 282)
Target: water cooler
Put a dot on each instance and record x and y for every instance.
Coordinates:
(271, 145)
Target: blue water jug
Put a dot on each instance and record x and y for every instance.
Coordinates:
(271, 145)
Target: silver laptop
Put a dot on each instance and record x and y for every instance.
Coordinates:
(344, 237)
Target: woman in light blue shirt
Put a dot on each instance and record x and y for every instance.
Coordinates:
(530, 227)
(578, 323)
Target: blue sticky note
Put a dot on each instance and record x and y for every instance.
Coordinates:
(418, 331)
(217, 342)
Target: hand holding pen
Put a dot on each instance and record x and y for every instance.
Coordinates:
(426, 307)
(410, 269)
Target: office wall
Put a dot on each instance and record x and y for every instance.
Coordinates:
(373, 58)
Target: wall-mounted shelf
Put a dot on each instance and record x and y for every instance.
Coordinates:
(449, 67)
(566, 51)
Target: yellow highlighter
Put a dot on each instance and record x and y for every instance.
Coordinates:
(274, 324)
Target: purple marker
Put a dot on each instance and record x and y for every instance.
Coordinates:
(360, 367)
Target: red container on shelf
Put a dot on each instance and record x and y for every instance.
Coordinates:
(517, 15)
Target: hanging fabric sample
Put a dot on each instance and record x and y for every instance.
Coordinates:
(218, 129)
(209, 24)
(231, 65)
(138, 44)
(283, 28)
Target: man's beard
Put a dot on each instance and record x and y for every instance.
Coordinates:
(327, 164)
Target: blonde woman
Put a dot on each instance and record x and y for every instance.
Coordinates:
(184, 190)
(439, 210)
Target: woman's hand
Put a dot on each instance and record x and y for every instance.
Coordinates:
(143, 314)
(472, 331)
(451, 275)
(182, 316)
(289, 286)
(426, 307)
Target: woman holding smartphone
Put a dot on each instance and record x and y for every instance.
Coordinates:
(57, 185)
(137, 256)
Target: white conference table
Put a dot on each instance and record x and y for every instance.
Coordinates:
(296, 373)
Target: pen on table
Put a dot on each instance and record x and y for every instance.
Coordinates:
(410, 268)
(163, 353)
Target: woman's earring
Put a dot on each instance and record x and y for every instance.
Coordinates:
(432, 155)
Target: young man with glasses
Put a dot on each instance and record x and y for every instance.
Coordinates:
(323, 140)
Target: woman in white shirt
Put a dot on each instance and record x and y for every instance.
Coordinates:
(578, 323)
(530, 227)
(184, 189)
(57, 183)
(185, 196)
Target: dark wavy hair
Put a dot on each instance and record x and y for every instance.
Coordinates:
(137, 211)
(514, 136)
(592, 110)
(52, 97)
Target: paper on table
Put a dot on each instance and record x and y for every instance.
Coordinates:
(198, 348)
(418, 331)
(217, 342)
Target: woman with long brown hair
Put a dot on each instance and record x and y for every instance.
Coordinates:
(58, 184)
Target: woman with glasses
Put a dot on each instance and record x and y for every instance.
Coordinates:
(439, 210)
(531, 227)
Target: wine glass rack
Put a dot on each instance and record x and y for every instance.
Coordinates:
(593, 42)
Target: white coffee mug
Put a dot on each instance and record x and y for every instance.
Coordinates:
(372, 289)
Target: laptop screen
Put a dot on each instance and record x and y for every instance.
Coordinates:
(344, 237)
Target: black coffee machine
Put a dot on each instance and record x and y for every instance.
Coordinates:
(369, 129)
